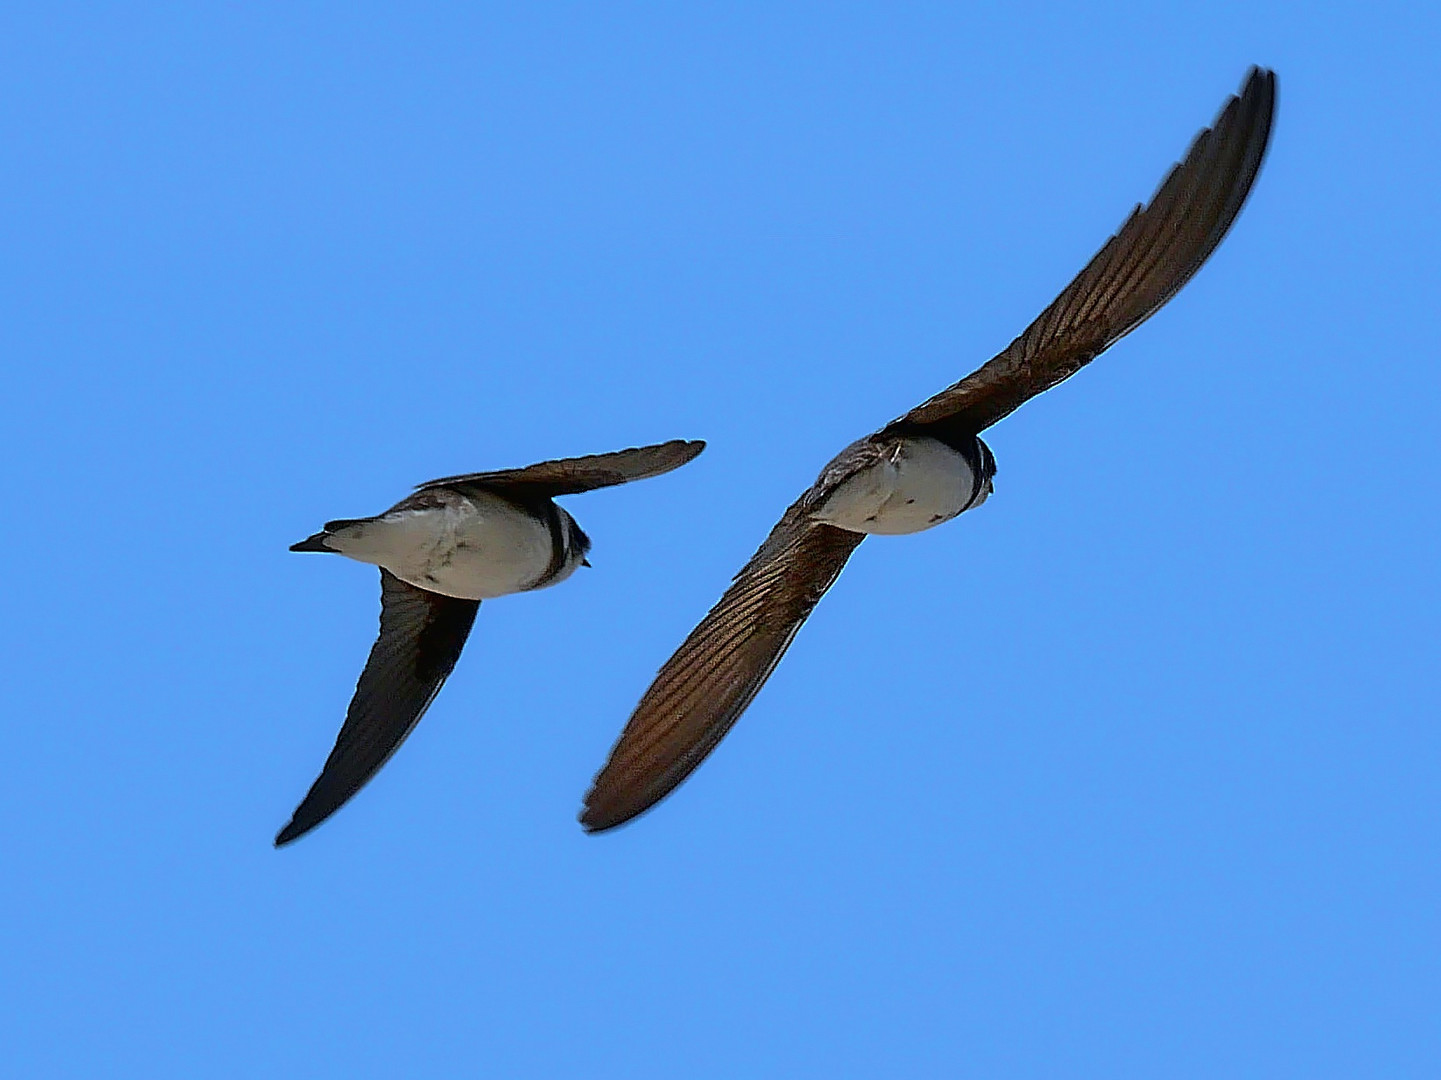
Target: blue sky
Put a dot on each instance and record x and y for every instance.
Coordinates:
(1133, 772)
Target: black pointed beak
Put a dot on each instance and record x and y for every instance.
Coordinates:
(584, 562)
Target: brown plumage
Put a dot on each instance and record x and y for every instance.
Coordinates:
(570, 476)
(1158, 249)
(702, 690)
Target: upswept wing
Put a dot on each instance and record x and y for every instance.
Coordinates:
(707, 684)
(569, 476)
(421, 636)
(1155, 252)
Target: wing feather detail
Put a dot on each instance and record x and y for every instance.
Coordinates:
(703, 689)
(1156, 251)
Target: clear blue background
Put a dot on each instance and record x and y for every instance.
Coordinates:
(1135, 772)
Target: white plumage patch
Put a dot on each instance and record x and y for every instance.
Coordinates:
(921, 483)
(477, 548)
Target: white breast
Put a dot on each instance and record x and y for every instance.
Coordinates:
(921, 482)
(476, 548)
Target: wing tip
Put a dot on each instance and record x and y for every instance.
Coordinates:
(293, 831)
(1256, 74)
(688, 449)
(1258, 79)
(612, 802)
(664, 457)
(306, 819)
(596, 817)
(594, 826)
(1259, 90)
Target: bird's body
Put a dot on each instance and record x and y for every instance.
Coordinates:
(927, 466)
(442, 550)
(901, 484)
(470, 545)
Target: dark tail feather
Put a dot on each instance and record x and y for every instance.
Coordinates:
(345, 523)
(317, 542)
(312, 543)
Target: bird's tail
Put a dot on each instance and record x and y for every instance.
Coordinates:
(313, 543)
(318, 541)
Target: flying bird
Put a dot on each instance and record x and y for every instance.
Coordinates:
(927, 466)
(442, 550)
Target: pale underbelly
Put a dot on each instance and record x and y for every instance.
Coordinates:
(920, 484)
(476, 550)
(468, 572)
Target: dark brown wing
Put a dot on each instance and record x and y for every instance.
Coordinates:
(569, 476)
(421, 635)
(702, 690)
(1157, 251)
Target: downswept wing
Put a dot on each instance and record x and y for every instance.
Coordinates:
(719, 668)
(569, 476)
(421, 636)
(1155, 252)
